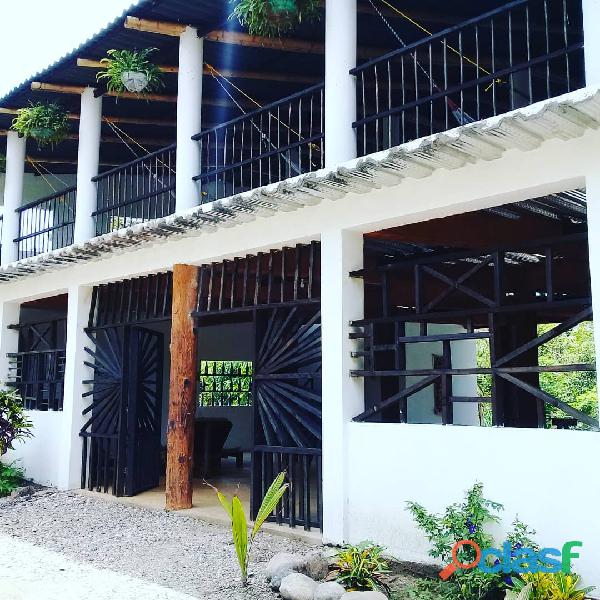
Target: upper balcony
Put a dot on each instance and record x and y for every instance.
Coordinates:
(260, 116)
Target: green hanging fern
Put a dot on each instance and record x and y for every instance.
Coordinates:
(120, 63)
(45, 123)
(272, 18)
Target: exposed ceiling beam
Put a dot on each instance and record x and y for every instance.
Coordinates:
(149, 26)
(243, 39)
(120, 120)
(228, 73)
(63, 161)
(108, 139)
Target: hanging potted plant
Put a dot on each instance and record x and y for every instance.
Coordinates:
(45, 123)
(131, 71)
(271, 18)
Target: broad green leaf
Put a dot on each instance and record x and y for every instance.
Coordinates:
(240, 536)
(225, 504)
(270, 501)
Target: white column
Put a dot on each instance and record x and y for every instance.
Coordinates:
(342, 300)
(13, 194)
(189, 105)
(591, 29)
(9, 338)
(69, 458)
(592, 184)
(340, 86)
(88, 157)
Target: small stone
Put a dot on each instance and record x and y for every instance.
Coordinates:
(282, 560)
(22, 492)
(297, 586)
(316, 565)
(330, 590)
(364, 596)
(279, 574)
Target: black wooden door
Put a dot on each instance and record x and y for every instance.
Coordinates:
(287, 411)
(121, 438)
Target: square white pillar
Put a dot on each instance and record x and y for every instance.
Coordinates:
(592, 184)
(189, 121)
(88, 160)
(340, 86)
(591, 31)
(9, 338)
(13, 194)
(69, 457)
(342, 300)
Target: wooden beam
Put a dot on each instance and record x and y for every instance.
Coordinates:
(38, 86)
(63, 161)
(123, 120)
(182, 390)
(108, 139)
(228, 73)
(149, 26)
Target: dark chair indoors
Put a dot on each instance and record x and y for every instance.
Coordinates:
(210, 435)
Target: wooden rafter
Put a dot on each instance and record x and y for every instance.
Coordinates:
(229, 73)
(111, 139)
(151, 26)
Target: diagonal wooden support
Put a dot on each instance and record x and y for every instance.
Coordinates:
(545, 337)
(549, 399)
(457, 284)
(409, 391)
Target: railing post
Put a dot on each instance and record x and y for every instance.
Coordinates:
(591, 29)
(340, 86)
(88, 156)
(342, 300)
(13, 194)
(189, 105)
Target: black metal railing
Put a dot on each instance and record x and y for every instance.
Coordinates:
(302, 504)
(46, 224)
(275, 142)
(39, 378)
(521, 53)
(139, 191)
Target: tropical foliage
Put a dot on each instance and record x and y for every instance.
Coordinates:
(45, 123)
(271, 18)
(547, 586)
(361, 567)
(225, 383)
(14, 424)
(242, 541)
(119, 64)
(11, 478)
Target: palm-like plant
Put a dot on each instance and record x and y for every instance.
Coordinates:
(239, 524)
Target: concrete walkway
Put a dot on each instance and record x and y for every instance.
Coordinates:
(28, 572)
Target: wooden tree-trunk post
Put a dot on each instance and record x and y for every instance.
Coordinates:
(182, 391)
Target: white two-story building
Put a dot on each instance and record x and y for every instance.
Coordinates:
(290, 254)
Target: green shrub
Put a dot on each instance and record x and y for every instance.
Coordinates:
(547, 586)
(239, 524)
(11, 478)
(45, 123)
(271, 18)
(119, 62)
(14, 424)
(361, 567)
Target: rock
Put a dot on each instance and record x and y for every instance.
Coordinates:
(22, 492)
(316, 565)
(297, 586)
(364, 596)
(279, 574)
(330, 590)
(294, 563)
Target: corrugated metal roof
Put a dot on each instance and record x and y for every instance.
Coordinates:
(565, 117)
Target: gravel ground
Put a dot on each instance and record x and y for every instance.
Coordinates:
(168, 549)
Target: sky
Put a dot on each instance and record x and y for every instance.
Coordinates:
(46, 31)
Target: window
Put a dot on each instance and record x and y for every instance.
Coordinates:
(225, 383)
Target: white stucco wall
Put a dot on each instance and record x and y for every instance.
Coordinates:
(547, 477)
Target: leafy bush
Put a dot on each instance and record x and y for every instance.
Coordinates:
(120, 62)
(11, 478)
(547, 586)
(361, 567)
(467, 521)
(271, 18)
(239, 524)
(45, 123)
(14, 424)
